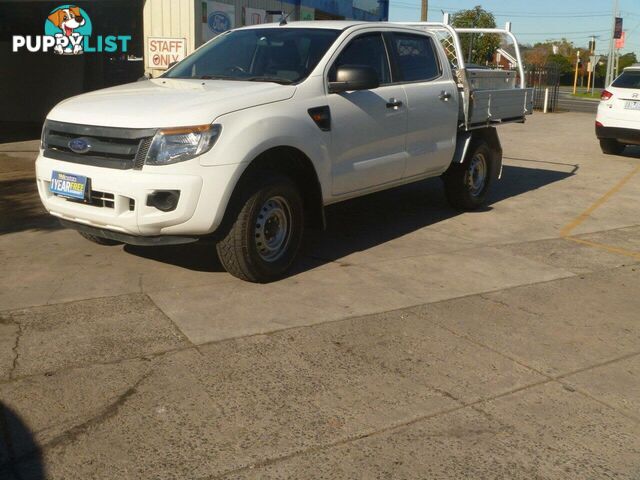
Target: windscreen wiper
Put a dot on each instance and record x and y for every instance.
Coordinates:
(215, 77)
(280, 80)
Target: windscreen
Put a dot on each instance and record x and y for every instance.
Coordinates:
(283, 55)
(628, 79)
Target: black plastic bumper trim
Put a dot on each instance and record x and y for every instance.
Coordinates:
(126, 238)
(623, 135)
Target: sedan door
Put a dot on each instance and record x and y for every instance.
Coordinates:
(368, 126)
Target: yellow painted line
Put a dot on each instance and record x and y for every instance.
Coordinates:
(566, 231)
(606, 247)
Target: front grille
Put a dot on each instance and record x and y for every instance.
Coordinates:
(102, 199)
(97, 199)
(111, 147)
(143, 149)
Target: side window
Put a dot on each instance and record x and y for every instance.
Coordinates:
(366, 50)
(416, 57)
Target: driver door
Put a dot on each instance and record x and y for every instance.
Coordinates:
(368, 126)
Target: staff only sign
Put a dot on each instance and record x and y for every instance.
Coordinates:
(162, 52)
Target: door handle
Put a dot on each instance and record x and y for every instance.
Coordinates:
(445, 96)
(394, 103)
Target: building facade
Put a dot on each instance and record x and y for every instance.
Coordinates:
(147, 34)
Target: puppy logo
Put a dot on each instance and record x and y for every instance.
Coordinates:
(69, 24)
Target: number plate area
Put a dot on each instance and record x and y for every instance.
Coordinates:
(69, 185)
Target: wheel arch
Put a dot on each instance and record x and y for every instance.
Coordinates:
(489, 135)
(293, 163)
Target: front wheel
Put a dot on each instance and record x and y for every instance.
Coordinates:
(611, 146)
(466, 184)
(263, 241)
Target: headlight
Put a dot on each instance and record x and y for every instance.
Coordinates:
(172, 145)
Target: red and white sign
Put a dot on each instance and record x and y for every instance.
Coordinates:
(620, 41)
(163, 51)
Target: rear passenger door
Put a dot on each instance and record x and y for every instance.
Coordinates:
(432, 102)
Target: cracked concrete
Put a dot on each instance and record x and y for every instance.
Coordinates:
(68, 437)
(412, 341)
(15, 350)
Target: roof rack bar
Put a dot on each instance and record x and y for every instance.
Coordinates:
(514, 40)
(453, 31)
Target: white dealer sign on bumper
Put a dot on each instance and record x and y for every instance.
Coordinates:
(161, 52)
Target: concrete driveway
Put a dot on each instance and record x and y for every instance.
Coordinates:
(412, 341)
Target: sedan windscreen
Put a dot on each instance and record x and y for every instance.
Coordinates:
(283, 55)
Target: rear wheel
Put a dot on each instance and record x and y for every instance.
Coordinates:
(466, 184)
(263, 241)
(99, 240)
(611, 146)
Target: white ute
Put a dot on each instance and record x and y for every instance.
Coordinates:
(250, 137)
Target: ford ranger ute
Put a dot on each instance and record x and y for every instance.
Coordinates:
(247, 139)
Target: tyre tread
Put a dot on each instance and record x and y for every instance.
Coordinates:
(233, 251)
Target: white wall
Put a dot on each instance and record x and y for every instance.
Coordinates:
(171, 18)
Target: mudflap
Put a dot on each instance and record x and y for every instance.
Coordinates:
(490, 135)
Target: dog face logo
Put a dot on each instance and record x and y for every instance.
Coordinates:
(67, 19)
(69, 24)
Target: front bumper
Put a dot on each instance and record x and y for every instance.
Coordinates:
(627, 136)
(129, 239)
(204, 193)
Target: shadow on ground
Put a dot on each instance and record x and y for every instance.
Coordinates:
(632, 151)
(20, 454)
(366, 222)
(19, 131)
(21, 209)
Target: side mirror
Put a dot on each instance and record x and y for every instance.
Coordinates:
(354, 78)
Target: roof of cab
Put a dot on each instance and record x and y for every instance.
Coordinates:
(326, 24)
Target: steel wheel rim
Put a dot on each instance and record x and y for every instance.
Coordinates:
(273, 229)
(477, 174)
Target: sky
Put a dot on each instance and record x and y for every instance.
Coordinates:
(540, 20)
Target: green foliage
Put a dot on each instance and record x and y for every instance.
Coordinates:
(481, 46)
(627, 60)
(561, 61)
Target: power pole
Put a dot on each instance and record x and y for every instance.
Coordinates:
(612, 50)
(592, 55)
(425, 9)
(575, 79)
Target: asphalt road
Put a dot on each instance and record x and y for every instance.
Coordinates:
(567, 102)
(412, 341)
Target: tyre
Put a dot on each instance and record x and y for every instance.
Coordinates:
(99, 240)
(263, 241)
(466, 184)
(611, 146)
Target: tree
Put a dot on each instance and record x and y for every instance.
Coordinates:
(478, 48)
(537, 55)
(627, 60)
(562, 62)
